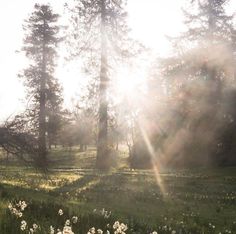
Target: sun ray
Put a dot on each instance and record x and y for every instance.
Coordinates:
(154, 162)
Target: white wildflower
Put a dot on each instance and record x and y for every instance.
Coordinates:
(67, 223)
(60, 212)
(67, 230)
(52, 231)
(23, 225)
(92, 230)
(74, 219)
(35, 226)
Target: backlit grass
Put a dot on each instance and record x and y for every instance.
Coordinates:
(200, 201)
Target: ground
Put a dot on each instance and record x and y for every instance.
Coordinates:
(188, 201)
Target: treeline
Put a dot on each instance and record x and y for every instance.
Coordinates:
(191, 116)
(184, 117)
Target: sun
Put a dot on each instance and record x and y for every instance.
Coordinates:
(128, 84)
(125, 82)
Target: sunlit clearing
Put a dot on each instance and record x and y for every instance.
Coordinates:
(154, 161)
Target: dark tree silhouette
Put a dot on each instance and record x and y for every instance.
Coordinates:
(41, 40)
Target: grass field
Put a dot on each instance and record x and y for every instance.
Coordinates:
(189, 201)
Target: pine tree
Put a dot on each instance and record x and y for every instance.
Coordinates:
(101, 32)
(210, 22)
(205, 48)
(196, 78)
(41, 40)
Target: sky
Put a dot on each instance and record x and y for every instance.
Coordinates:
(150, 21)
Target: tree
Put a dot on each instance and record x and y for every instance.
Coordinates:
(41, 40)
(195, 79)
(55, 114)
(211, 32)
(205, 48)
(84, 126)
(101, 28)
(16, 139)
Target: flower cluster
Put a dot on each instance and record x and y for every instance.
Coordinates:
(67, 229)
(34, 228)
(169, 225)
(93, 231)
(119, 228)
(18, 208)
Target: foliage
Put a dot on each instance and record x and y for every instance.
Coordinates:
(44, 91)
(187, 121)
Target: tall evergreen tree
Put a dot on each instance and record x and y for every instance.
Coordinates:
(102, 33)
(209, 22)
(41, 40)
(205, 48)
(195, 79)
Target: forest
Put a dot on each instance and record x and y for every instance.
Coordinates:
(147, 144)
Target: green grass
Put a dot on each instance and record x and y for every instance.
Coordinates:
(189, 200)
(64, 157)
(72, 158)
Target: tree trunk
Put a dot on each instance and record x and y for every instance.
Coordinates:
(102, 161)
(42, 112)
(50, 142)
(7, 158)
(50, 139)
(81, 147)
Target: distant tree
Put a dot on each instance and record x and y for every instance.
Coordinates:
(44, 92)
(194, 80)
(211, 33)
(204, 50)
(84, 123)
(17, 139)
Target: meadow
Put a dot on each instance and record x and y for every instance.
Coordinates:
(187, 201)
